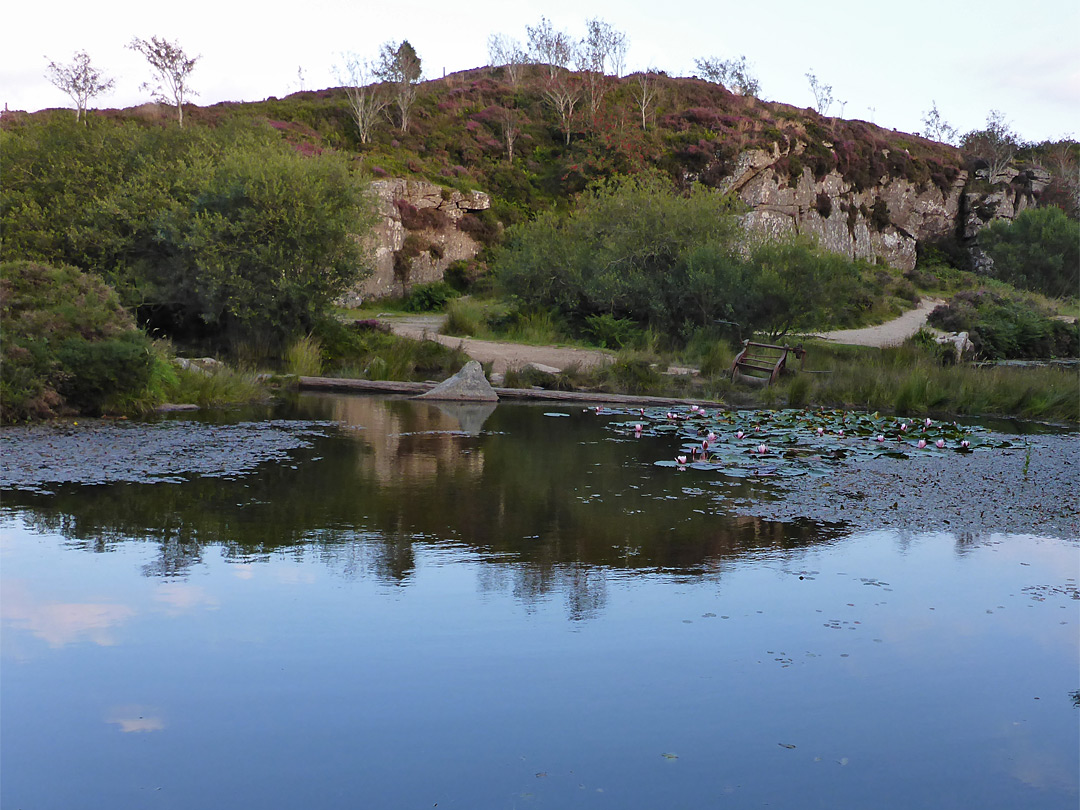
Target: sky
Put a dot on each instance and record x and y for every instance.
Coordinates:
(888, 62)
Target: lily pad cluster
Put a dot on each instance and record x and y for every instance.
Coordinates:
(794, 442)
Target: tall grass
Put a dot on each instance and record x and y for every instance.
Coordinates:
(464, 318)
(219, 387)
(910, 379)
(303, 357)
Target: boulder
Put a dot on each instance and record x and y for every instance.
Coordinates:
(959, 341)
(468, 385)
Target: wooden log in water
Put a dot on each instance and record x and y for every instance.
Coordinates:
(534, 394)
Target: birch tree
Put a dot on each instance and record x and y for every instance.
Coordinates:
(823, 96)
(367, 97)
(506, 52)
(173, 68)
(644, 89)
(400, 68)
(549, 47)
(80, 80)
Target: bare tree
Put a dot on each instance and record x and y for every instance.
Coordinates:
(400, 68)
(937, 128)
(734, 74)
(173, 68)
(598, 52)
(80, 80)
(507, 53)
(549, 47)
(996, 145)
(823, 97)
(644, 90)
(508, 126)
(367, 97)
(563, 92)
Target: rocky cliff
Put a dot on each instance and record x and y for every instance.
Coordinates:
(884, 221)
(423, 228)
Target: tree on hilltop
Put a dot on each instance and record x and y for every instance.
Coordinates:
(602, 50)
(173, 68)
(80, 80)
(995, 146)
(506, 52)
(734, 74)
(823, 95)
(549, 47)
(937, 128)
(400, 68)
(367, 97)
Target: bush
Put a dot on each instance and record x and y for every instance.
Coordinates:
(178, 221)
(1004, 328)
(67, 345)
(429, 297)
(1039, 250)
(611, 332)
(636, 250)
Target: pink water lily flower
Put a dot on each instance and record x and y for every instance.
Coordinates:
(965, 444)
(711, 437)
(840, 434)
(922, 443)
(880, 438)
(939, 443)
(680, 459)
(638, 428)
(641, 411)
(599, 408)
(739, 434)
(929, 422)
(762, 449)
(821, 431)
(903, 427)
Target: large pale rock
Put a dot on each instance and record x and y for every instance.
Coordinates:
(449, 243)
(468, 385)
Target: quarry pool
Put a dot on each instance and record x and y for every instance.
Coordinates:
(365, 602)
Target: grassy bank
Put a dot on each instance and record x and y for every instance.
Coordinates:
(908, 379)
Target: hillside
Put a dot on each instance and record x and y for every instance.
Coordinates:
(861, 190)
(864, 191)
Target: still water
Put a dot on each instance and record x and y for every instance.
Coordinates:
(498, 608)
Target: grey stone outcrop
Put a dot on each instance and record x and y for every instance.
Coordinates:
(468, 385)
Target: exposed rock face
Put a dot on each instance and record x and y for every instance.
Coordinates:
(468, 385)
(443, 244)
(832, 210)
(883, 222)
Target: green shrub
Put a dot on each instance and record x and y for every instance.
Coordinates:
(177, 220)
(429, 297)
(94, 374)
(67, 346)
(1007, 327)
(1039, 250)
(611, 332)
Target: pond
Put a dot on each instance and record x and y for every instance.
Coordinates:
(367, 602)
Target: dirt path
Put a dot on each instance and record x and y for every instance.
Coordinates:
(516, 355)
(501, 355)
(891, 333)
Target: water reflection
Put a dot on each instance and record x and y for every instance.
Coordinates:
(410, 612)
(135, 719)
(61, 623)
(565, 513)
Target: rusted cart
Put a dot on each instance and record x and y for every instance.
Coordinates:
(762, 363)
